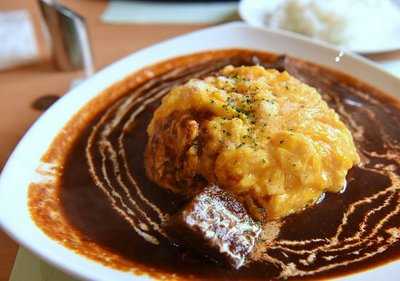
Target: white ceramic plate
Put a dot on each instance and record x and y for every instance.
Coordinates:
(254, 13)
(20, 168)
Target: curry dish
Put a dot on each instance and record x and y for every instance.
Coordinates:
(259, 133)
(212, 166)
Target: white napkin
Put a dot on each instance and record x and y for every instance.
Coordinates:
(17, 39)
(28, 267)
(169, 12)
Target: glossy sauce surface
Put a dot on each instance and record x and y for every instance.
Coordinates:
(115, 213)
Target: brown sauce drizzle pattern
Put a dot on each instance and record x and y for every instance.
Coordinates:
(98, 201)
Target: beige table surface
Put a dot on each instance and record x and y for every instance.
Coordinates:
(20, 87)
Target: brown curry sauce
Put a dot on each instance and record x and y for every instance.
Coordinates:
(101, 149)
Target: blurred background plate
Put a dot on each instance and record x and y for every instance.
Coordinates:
(257, 12)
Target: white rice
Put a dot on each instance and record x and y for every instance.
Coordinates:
(356, 24)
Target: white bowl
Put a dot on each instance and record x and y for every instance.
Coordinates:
(254, 13)
(20, 168)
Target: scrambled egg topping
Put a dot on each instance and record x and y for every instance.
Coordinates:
(259, 133)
